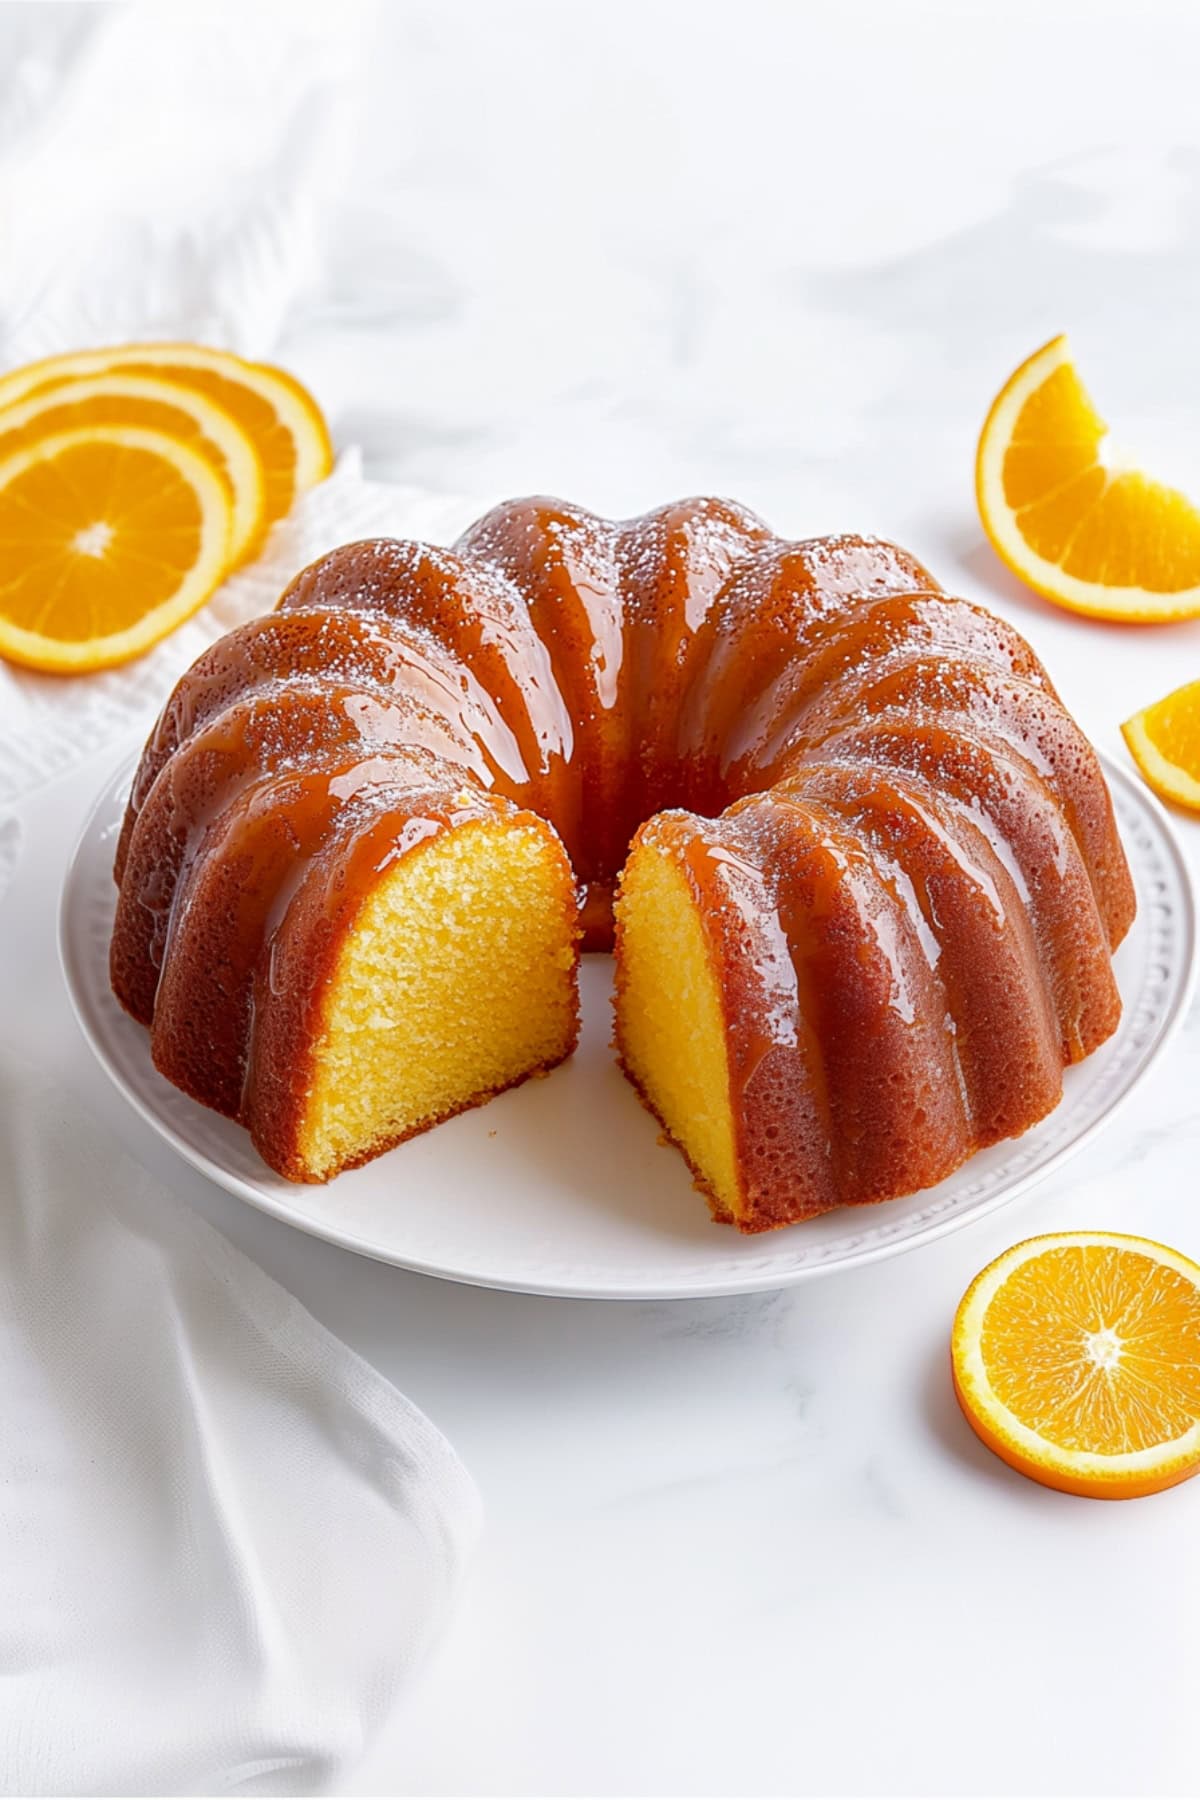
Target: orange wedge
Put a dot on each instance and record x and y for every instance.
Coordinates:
(1164, 741)
(119, 398)
(1076, 1358)
(109, 538)
(275, 411)
(1076, 525)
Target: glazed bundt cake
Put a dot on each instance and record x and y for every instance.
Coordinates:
(863, 866)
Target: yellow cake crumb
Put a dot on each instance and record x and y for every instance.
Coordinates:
(456, 982)
(670, 1019)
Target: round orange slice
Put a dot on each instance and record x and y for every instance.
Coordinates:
(271, 406)
(109, 538)
(1076, 1358)
(1074, 523)
(119, 398)
(1164, 741)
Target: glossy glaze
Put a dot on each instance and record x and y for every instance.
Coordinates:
(898, 835)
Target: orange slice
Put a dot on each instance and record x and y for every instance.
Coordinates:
(1076, 1359)
(272, 407)
(186, 413)
(1164, 741)
(1075, 524)
(109, 538)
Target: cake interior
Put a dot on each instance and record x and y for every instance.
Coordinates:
(671, 1023)
(456, 981)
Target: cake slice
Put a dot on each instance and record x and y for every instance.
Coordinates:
(449, 975)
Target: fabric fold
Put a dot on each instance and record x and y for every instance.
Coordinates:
(228, 1540)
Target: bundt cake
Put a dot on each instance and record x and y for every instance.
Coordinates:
(863, 865)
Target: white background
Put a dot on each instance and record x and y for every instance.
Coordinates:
(621, 253)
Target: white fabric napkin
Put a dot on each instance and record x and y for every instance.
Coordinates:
(168, 172)
(224, 1539)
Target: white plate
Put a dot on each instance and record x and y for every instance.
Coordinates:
(560, 1186)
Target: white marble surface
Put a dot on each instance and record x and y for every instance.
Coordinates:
(624, 252)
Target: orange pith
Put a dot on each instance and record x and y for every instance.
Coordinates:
(1089, 535)
(109, 537)
(1164, 740)
(1077, 1360)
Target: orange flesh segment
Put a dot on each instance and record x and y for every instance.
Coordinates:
(1096, 1349)
(78, 415)
(1164, 741)
(1173, 727)
(1056, 439)
(140, 516)
(255, 415)
(274, 409)
(1090, 534)
(1117, 529)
